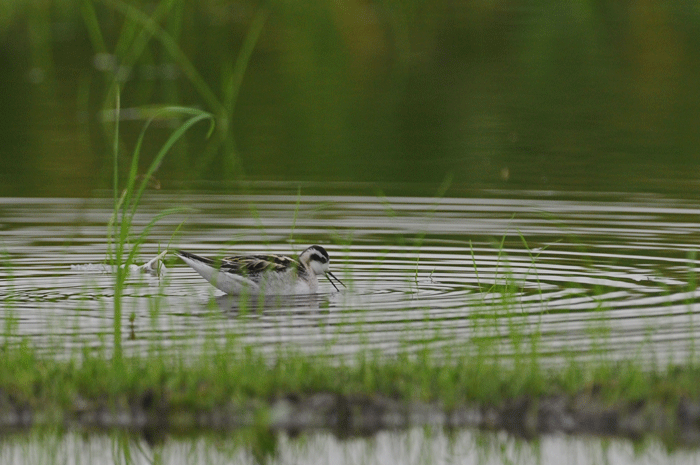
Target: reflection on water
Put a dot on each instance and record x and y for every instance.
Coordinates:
(424, 446)
(599, 275)
(235, 305)
(496, 94)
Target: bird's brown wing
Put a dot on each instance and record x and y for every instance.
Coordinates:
(248, 265)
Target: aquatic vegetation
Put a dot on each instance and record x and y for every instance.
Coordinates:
(123, 246)
(232, 385)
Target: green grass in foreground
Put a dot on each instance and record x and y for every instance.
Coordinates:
(44, 384)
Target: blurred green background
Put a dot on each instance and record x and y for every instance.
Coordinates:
(397, 95)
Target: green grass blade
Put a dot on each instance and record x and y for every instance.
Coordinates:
(197, 116)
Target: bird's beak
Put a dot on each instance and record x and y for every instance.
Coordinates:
(329, 275)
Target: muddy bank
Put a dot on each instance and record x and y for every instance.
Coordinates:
(349, 415)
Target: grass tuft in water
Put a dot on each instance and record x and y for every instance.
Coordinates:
(123, 245)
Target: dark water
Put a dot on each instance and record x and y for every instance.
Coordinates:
(402, 96)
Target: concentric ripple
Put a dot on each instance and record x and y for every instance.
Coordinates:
(604, 275)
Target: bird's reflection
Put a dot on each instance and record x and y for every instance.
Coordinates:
(234, 305)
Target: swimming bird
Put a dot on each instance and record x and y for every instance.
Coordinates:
(264, 274)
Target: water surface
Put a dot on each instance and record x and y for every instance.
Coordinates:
(586, 275)
(416, 446)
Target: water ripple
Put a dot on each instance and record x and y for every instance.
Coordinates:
(611, 275)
